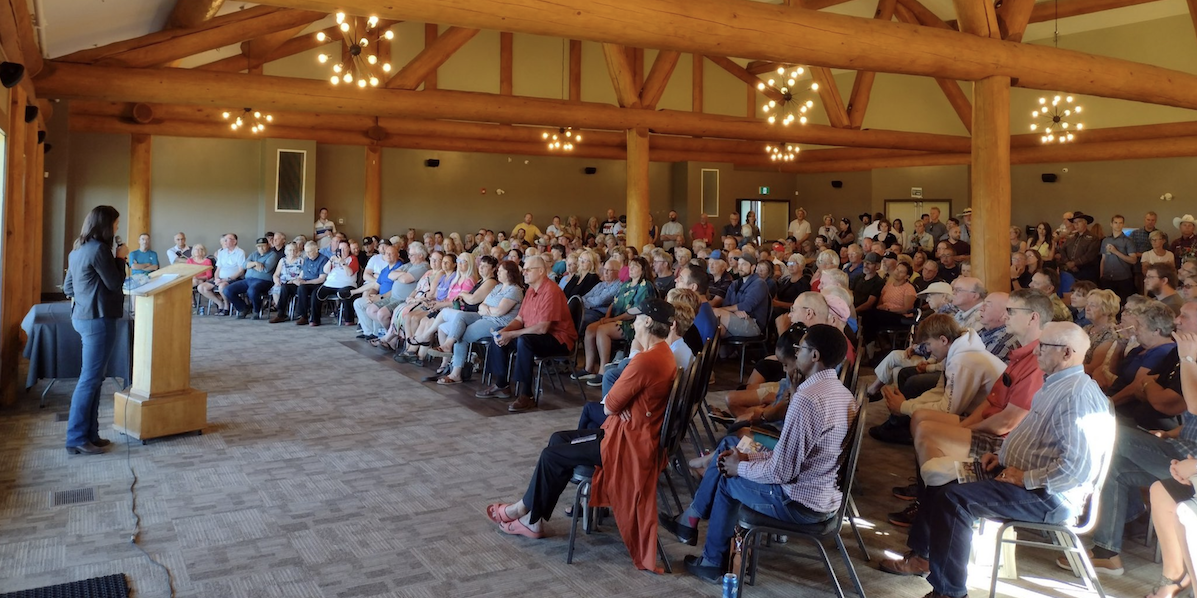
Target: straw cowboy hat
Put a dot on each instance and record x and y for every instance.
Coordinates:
(1183, 219)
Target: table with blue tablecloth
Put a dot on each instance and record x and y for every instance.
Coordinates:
(55, 350)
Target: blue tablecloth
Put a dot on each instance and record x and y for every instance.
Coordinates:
(55, 350)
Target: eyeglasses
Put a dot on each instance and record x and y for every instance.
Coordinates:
(1010, 310)
(1040, 346)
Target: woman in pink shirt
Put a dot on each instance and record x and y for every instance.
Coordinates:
(897, 300)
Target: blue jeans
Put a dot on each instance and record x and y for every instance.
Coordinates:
(98, 336)
(593, 416)
(611, 376)
(473, 333)
(943, 531)
(718, 499)
(254, 287)
(1140, 459)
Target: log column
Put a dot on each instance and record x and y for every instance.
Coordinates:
(32, 266)
(638, 209)
(372, 209)
(137, 219)
(13, 292)
(991, 183)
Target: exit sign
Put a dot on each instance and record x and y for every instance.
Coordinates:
(764, 191)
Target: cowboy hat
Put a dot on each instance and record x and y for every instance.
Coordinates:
(1078, 215)
(1183, 219)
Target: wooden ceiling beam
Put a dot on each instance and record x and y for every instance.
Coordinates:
(196, 42)
(658, 78)
(431, 58)
(184, 86)
(291, 47)
(768, 32)
(742, 74)
(91, 55)
(257, 50)
(619, 67)
(1049, 11)
(31, 53)
(1013, 17)
(977, 17)
(575, 70)
(829, 94)
(951, 89)
(862, 86)
(192, 13)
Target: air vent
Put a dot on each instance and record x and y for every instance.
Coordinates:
(73, 497)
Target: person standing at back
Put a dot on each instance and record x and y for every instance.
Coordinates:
(94, 281)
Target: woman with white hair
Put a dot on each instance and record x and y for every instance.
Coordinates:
(827, 260)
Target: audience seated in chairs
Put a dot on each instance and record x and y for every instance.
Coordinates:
(230, 266)
(457, 277)
(543, 327)
(259, 277)
(421, 295)
(406, 278)
(340, 279)
(1044, 471)
(616, 325)
(1153, 324)
(497, 310)
(746, 307)
(311, 276)
(941, 439)
(199, 257)
(624, 451)
(597, 301)
(379, 293)
(796, 481)
(464, 305)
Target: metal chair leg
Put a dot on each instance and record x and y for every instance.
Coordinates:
(839, 543)
(573, 527)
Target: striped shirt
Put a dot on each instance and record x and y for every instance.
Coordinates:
(806, 460)
(1064, 438)
(998, 341)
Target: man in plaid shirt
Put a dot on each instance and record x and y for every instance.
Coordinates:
(796, 481)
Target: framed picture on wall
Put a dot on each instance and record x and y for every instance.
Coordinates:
(710, 191)
(289, 189)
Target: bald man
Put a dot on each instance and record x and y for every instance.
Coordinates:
(1044, 471)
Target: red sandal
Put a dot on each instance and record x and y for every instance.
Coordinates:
(517, 528)
(497, 512)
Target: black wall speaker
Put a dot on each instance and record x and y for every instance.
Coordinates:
(432, 163)
(41, 136)
(1048, 177)
(30, 113)
(590, 170)
(11, 73)
(837, 184)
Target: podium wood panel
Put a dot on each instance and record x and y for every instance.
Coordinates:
(160, 401)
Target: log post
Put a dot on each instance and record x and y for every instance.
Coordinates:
(12, 292)
(33, 221)
(991, 183)
(37, 232)
(431, 32)
(372, 209)
(137, 219)
(638, 206)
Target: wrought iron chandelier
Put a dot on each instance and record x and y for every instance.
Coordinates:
(359, 64)
(791, 107)
(782, 152)
(1057, 119)
(564, 139)
(255, 119)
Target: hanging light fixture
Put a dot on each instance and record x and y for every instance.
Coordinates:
(1057, 118)
(254, 119)
(782, 152)
(791, 107)
(564, 139)
(360, 64)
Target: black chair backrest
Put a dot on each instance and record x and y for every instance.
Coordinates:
(576, 309)
(851, 453)
(706, 359)
(673, 427)
(853, 379)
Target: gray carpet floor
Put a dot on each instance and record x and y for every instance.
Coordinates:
(326, 470)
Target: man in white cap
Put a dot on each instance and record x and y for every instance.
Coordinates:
(1185, 246)
(966, 225)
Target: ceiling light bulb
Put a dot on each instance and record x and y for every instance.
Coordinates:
(790, 82)
(1034, 114)
(814, 87)
(801, 70)
(320, 36)
(361, 82)
(386, 67)
(569, 133)
(372, 21)
(802, 120)
(340, 17)
(335, 79)
(785, 123)
(1068, 99)
(1056, 99)
(323, 58)
(1034, 126)
(1042, 100)
(760, 86)
(373, 81)
(363, 42)
(225, 115)
(554, 137)
(372, 59)
(1078, 109)
(344, 26)
(802, 110)
(544, 135)
(770, 82)
(389, 34)
(257, 114)
(1043, 110)
(1079, 126)
(233, 126)
(578, 138)
(772, 103)
(348, 78)
(1070, 136)
(238, 121)
(781, 70)
(772, 120)
(1064, 125)
(767, 148)
(810, 104)
(765, 108)
(550, 146)
(336, 68)
(794, 75)
(269, 118)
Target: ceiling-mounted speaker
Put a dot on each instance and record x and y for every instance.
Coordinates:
(432, 163)
(47, 147)
(11, 74)
(1048, 177)
(41, 136)
(30, 113)
(590, 170)
(837, 184)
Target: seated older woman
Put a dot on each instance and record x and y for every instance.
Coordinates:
(582, 277)
(497, 311)
(289, 268)
(463, 305)
(1101, 309)
(617, 323)
(341, 279)
(457, 277)
(200, 257)
(423, 290)
(624, 451)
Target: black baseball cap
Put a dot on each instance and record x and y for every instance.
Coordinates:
(659, 310)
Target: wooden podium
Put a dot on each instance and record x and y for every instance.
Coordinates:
(160, 401)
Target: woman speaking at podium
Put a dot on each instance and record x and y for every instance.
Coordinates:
(95, 281)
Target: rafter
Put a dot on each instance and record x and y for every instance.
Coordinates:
(760, 67)
(742, 74)
(658, 78)
(951, 89)
(575, 70)
(977, 17)
(697, 67)
(1062, 9)
(431, 58)
(862, 86)
(291, 47)
(829, 94)
(620, 70)
(184, 86)
(1013, 16)
(256, 50)
(189, 44)
(506, 63)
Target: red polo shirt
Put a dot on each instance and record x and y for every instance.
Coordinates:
(1019, 383)
(702, 231)
(548, 303)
